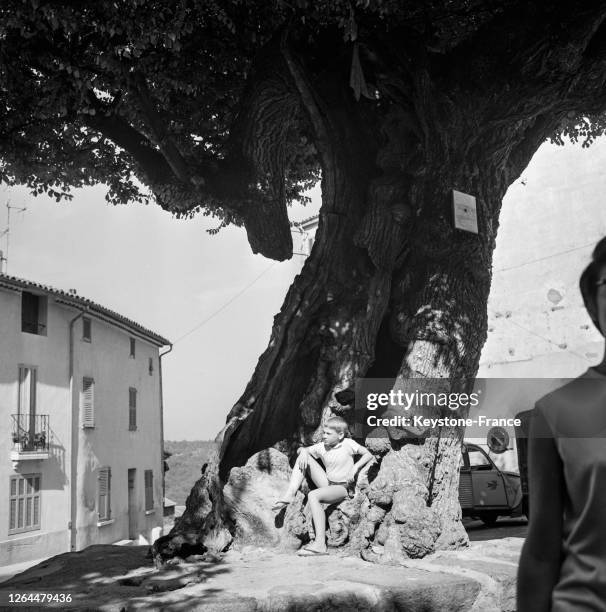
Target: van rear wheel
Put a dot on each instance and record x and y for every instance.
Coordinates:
(489, 518)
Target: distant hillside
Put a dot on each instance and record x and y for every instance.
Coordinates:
(187, 457)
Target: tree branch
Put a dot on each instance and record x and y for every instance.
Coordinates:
(532, 40)
(313, 106)
(125, 136)
(159, 130)
(595, 53)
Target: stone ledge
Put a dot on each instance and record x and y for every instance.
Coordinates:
(480, 578)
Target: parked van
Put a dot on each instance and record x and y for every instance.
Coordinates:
(485, 492)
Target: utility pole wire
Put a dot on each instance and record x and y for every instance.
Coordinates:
(233, 299)
(531, 261)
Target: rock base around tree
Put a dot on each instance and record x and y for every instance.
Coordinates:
(386, 521)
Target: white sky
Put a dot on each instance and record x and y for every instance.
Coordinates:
(168, 275)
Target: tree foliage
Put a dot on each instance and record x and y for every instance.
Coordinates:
(194, 104)
(144, 97)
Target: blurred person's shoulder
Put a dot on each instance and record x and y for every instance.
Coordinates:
(574, 404)
(576, 390)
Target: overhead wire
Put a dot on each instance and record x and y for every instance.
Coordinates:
(531, 261)
(224, 306)
(533, 333)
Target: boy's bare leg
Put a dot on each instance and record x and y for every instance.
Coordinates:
(318, 476)
(330, 494)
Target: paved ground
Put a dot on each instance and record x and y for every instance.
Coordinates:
(8, 571)
(504, 528)
(480, 578)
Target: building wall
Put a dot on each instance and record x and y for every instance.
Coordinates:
(50, 355)
(105, 359)
(551, 219)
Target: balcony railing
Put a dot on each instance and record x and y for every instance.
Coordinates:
(30, 433)
(33, 327)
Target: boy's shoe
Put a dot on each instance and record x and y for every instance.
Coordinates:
(310, 552)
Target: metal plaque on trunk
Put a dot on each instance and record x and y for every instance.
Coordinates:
(464, 211)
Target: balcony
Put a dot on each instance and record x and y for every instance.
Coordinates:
(30, 435)
(33, 327)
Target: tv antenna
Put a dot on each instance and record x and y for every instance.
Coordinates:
(7, 232)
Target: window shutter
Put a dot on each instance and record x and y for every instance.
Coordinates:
(37, 509)
(149, 489)
(88, 402)
(37, 500)
(12, 523)
(104, 493)
(24, 503)
(132, 409)
(25, 388)
(21, 407)
(33, 376)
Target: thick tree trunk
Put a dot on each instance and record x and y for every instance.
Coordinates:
(324, 336)
(445, 284)
(390, 289)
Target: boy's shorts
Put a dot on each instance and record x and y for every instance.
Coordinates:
(349, 486)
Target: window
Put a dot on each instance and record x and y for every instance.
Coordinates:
(150, 366)
(26, 425)
(149, 489)
(478, 460)
(33, 313)
(132, 348)
(24, 503)
(132, 409)
(86, 329)
(88, 402)
(104, 487)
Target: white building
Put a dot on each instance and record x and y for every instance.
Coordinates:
(538, 328)
(304, 234)
(81, 440)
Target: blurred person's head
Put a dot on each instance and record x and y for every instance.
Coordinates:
(593, 286)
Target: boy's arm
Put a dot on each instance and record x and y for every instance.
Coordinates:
(366, 457)
(312, 450)
(304, 453)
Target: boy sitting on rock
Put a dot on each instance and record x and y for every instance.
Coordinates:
(336, 451)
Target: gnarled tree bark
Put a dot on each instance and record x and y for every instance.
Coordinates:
(391, 289)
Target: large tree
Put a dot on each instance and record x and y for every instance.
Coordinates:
(235, 108)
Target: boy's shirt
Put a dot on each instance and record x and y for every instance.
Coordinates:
(337, 460)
